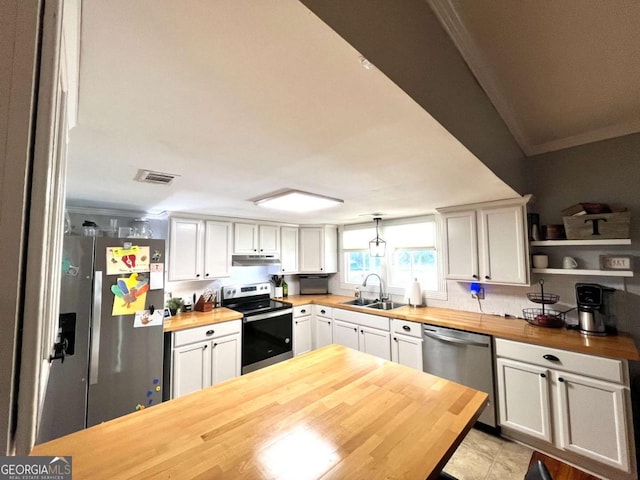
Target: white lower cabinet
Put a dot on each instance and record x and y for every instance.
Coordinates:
(301, 330)
(322, 333)
(204, 356)
(361, 331)
(576, 403)
(406, 343)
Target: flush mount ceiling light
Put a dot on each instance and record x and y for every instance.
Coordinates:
(297, 201)
(377, 246)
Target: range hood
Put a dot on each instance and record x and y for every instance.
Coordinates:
(254, 260)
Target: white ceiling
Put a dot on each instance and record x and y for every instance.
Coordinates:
(242, 98)
(560, 73)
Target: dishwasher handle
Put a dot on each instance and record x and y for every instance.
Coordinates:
(460, 341)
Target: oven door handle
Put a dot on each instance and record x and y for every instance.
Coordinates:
(264, 316)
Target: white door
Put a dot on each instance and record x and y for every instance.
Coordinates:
(502, 245)
(323, 332)
(460, 245)
(191, 369)
(523, 398)
(593, 419)
(269, 239)
(301, 335)
(245, 238)
(311, 250)
(376, 342)
(226, 360)
(185, 249)
(289, 250)
(345, 333)
(217, 249)
(407, 351)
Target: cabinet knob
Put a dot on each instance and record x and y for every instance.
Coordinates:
(355, 329)
(543, 375)
(262, 249)
(215, 345)
(321, 268)
(362, 331)
(474, 276)
(406, 328)
(296, 322)
(323, 311)
(328, 323)
(551, 358)
(210, 332)
(487, 277)
(395, 339)
(197, 275)
(204, 347)
(206, 274)
(561, 379)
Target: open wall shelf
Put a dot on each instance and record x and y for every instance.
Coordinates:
(578, 243)
(579, 271)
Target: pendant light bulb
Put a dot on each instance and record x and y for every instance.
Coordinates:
(377, 246)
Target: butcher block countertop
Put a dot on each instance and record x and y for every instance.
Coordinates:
(196, 319)
(620, 346)
(331, 413)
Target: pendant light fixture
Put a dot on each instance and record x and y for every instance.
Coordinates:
(377, 246)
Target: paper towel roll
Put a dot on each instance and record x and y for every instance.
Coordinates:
(415, 295)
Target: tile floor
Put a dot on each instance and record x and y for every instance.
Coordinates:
(486, 457)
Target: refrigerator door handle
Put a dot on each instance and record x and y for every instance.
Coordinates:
(95, 328)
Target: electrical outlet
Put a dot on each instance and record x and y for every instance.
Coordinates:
(479, 294)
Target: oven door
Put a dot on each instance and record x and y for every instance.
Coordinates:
(266, 339)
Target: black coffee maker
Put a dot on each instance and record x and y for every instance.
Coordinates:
(594, 309)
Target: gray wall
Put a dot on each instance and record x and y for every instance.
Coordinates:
(405, 41)
(606, 172)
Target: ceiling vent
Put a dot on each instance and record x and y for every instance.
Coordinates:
(158, 178)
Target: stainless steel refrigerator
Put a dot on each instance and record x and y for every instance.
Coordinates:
(113, 357)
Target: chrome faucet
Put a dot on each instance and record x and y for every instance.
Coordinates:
(383, 296)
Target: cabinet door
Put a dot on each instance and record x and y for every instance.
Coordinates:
(323, 332)
(269, 239)
(301, 335)
(376, 342)
(593, 419)
(185, 249)
(311, 250)
(190, 369)
(503, 245)
(289, 249)
(407, 351)
(217, 249)
(345, 333)
(245, 238)
(523, 398)
(226, 359)
(460, 245)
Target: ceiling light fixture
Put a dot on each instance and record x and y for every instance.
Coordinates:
(377, 246)
(297, 201)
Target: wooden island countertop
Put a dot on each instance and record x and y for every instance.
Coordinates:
(331, 413)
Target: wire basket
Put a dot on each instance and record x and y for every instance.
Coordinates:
(544, 318)
(546, 298)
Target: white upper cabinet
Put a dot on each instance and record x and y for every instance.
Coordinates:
(217, 249)
(199, 249)
(318, 249)
(486, 243)
(289, 249)
(185, 248)
(254, 239)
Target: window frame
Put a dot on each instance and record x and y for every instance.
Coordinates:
(386, 266)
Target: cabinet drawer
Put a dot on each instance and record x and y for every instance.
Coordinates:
(206, 332)
(580, 363)
(406, 327)
(301, 311)
(364, 319)
(322, 311)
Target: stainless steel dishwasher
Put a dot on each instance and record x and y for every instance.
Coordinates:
(461, 357)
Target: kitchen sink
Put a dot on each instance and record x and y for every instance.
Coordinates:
(385, 305)
(361, 302)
